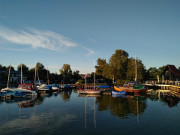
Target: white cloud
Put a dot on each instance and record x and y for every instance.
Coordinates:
(39, 39)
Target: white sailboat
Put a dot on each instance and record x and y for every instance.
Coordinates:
(17, 92)
(7, 88)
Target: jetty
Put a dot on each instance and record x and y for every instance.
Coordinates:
(167, 85)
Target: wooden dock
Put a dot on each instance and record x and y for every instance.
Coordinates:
(164, 87)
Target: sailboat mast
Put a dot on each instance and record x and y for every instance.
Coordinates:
(21, 74)
(47, 75)
(35, 74)
(85, 81)
(94, 80)
(85, 85)
(9, 75)
(135, 69)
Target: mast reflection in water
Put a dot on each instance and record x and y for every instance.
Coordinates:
(69, 113)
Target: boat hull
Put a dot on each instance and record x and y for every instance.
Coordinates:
(123, 92)
(130, 89)
(89, 91)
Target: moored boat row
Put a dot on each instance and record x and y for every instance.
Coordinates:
(131, 87)
(29, 89)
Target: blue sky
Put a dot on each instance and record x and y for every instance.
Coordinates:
(78, 32)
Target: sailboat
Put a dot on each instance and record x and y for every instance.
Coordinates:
(11, 92)
(132, 87)
(7, 88)
(90, 91)
(45, 87)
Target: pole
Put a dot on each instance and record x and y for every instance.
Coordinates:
(9, 74)
(94, 80)
(35, 74)
(47, 75)
(21, 74)
(135, 69)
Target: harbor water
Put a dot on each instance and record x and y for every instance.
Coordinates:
(68, 113)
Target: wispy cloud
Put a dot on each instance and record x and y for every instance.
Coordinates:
(89, 50)
(39, 39)
(92, 40)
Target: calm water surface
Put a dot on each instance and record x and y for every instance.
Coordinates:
(69, 113)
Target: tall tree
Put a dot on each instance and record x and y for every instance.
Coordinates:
(12, 68)
(25, 70)
(118, 63)
(130, 75)
(66, 70)
(41, 72)
(76, 75)
(101, 63)
(3, 68)
(108, 72)
(152, 71)
(24, 67)
(39, 66)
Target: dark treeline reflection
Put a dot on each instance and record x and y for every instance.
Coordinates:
(122, 107)
(168, 98)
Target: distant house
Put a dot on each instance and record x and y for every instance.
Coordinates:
(171, 73)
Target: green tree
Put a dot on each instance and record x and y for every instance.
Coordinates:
(25, 69)
(160, 71)
(118, 62)
(130, 75)
(76, 76)
(12, 68)
(66, 72)
(3, 78)
(101, 63)
(54, 78)
(152, 71)
(39, 66)
(41, 73)
(3, 68)
(108, 72)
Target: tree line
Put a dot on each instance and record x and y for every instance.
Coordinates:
(119, 69)
(43, 74)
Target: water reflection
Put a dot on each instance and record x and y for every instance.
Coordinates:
(54, 113)
(165, 96)
(31, 116)
(66, 95)
(122, 107)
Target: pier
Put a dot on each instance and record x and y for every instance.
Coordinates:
(168, 85)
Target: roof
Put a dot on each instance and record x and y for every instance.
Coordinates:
(172, 69)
